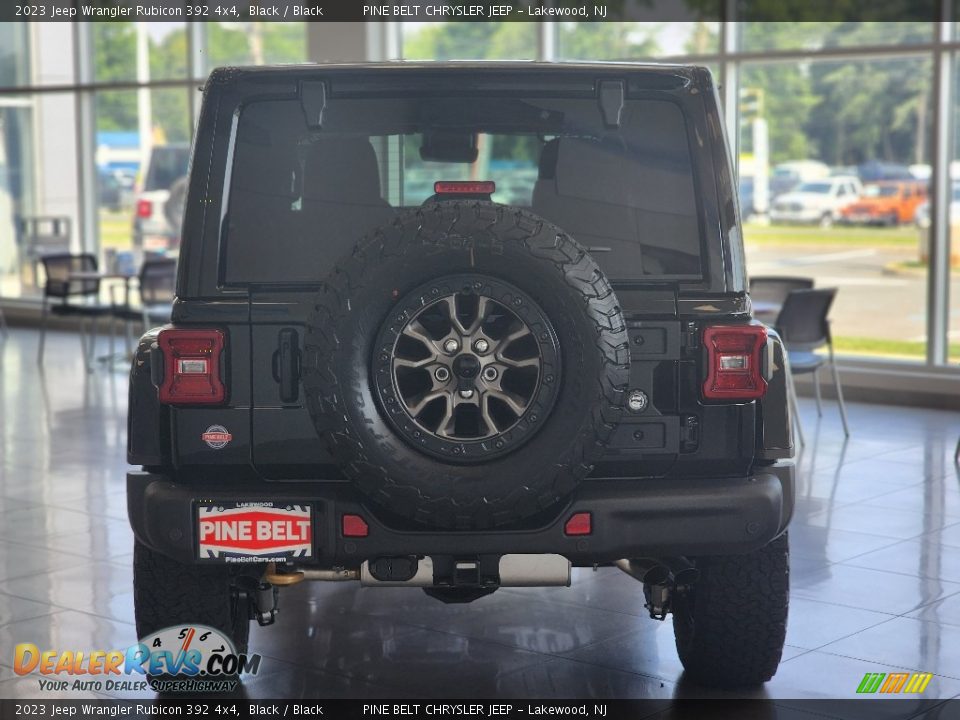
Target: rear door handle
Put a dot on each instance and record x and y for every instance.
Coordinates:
(286, 365)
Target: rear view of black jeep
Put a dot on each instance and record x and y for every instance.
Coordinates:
(463, 327)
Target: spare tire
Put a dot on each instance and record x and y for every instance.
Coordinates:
(466, 364)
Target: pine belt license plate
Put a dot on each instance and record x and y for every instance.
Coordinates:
(237, 532)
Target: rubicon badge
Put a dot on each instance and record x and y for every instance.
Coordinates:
(216, 436)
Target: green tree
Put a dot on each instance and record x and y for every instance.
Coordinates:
(472, 41)
(114, 53)
(609, 41)
(788, 98)
(171, 107)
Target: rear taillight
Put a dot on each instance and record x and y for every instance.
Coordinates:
(191, 367)
(144, 209)
(734, 362)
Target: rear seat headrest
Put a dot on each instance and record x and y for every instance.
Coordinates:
(341, 170)
(548, 160)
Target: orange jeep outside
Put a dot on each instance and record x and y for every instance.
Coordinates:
(891, 202)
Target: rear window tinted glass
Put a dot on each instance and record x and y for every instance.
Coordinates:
(300, 198)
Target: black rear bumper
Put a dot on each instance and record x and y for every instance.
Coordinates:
(630, 519)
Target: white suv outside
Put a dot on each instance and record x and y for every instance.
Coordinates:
(816, 201)
(156, 228)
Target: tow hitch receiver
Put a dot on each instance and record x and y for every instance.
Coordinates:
(662, 581)
(265, 604)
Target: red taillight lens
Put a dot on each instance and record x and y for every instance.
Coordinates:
(464, 187)
(579, 524)
(355, 526)
(734, 362)
(144, 208)
(191, 367)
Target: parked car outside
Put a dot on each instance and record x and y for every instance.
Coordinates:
(788, 175)
(876, 171)
(153, 229)
(109, 191)
(921, 217)
(888, 203)
(818, 202)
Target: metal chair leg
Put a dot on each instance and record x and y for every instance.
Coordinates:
(816, 391)
(83, 344)
(836, 385)
(91, 357)
(43, 331)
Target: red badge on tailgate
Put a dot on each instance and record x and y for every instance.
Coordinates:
(239, 532)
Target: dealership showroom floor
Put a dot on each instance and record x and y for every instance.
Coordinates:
(875, 570)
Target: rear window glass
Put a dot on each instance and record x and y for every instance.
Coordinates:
(301, 197)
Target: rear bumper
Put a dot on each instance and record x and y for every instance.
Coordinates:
(630, 519)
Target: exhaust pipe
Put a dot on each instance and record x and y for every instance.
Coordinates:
(297, 576)
(661, 580)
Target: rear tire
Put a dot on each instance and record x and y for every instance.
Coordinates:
(167, 593)
(731, 626)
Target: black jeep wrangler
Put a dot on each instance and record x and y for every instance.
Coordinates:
(459, 327)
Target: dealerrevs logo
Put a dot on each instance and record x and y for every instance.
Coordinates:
(183, 658)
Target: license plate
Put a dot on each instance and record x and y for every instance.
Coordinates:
(254, 531)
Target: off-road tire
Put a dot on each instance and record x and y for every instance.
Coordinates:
(435, 241)
(168, 593)
(731, 626)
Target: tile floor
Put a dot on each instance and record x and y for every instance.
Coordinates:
(875, 570)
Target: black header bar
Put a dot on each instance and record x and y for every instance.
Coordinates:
(464, 10)
(222, 708)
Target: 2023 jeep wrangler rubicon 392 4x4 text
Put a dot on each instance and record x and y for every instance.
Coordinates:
(459, 328)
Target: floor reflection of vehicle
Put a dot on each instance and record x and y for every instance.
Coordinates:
(152, 227)
(817, 201)
(886, 203)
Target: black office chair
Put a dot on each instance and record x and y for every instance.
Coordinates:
(156, 283)
(776, 288)
(772, 291)
(84, 293)
(804, 327)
